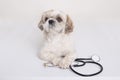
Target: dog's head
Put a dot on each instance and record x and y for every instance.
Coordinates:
(55, 21)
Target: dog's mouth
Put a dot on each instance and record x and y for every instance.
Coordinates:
(51, 26)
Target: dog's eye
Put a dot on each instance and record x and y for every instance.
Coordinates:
(46, 18)
(59, 19)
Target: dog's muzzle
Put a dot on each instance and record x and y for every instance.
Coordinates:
(51, 22)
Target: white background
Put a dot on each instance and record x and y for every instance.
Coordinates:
(97, 31)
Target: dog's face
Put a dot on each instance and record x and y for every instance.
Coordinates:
(55, 21)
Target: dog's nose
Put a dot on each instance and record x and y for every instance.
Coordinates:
(51, 21)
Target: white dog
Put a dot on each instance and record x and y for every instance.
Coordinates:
(58, 49)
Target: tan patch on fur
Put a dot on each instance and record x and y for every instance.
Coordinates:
(40, 24)
(49, 11)
(69, 25)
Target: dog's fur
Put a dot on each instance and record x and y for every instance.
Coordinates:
(58, 48)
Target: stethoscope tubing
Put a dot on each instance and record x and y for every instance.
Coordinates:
(83, 63)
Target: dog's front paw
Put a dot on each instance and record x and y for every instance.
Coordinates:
(64, 64)
(56, 61)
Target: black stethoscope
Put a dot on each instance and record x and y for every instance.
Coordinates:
(79, 62)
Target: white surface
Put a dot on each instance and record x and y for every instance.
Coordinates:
(97, 31)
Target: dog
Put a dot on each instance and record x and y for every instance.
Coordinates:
(58, 48)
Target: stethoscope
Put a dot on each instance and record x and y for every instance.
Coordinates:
(79, 62)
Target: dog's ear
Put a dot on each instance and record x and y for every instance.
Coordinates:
(69, 25)
(40, 25)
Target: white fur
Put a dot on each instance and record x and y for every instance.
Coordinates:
(57, 43)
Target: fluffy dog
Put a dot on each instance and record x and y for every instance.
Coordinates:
(58, 47)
